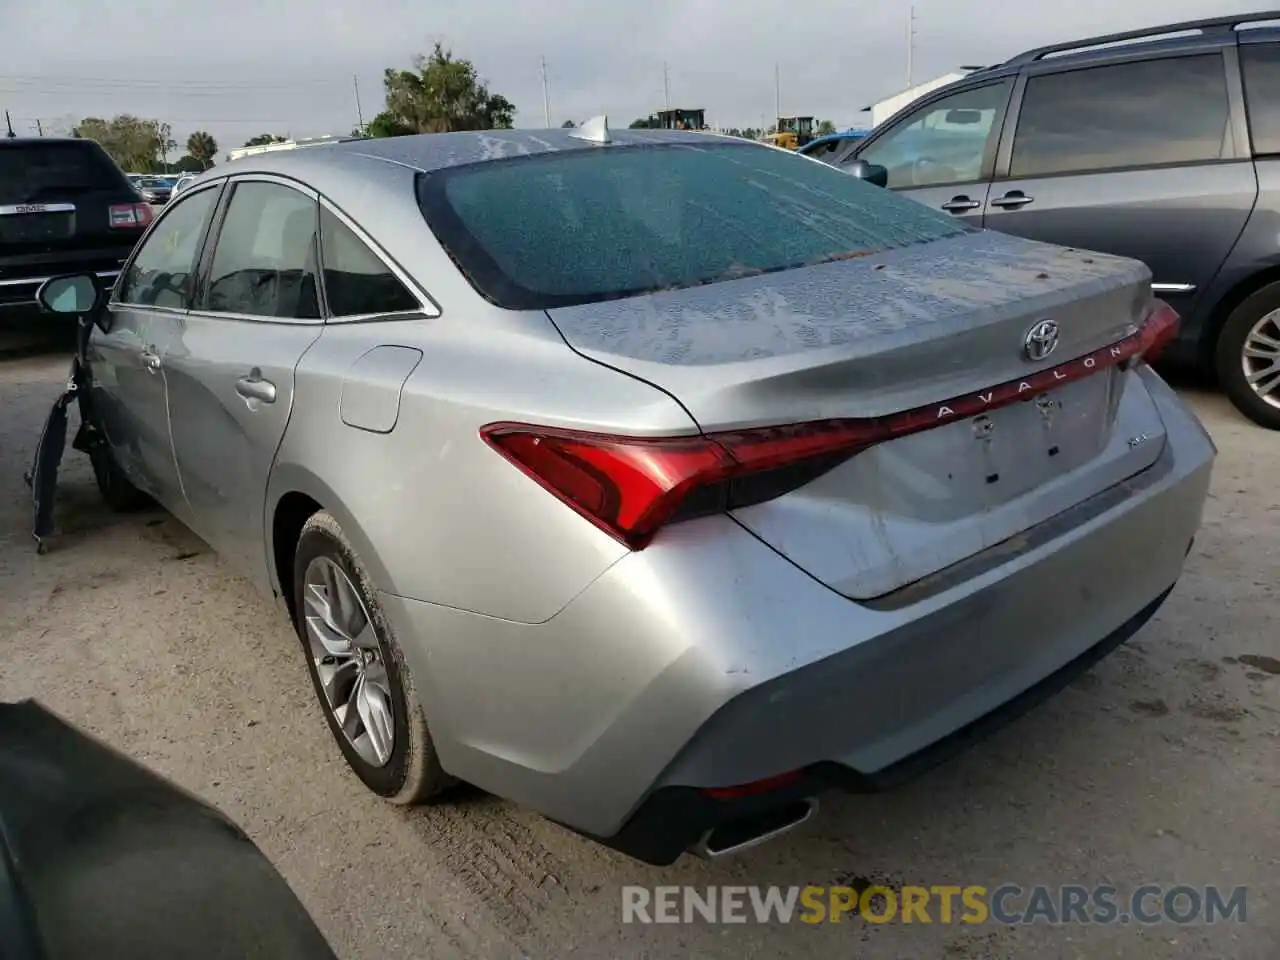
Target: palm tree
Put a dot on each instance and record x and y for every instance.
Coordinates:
(201, 146)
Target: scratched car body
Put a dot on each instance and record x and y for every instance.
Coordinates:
(656, 481)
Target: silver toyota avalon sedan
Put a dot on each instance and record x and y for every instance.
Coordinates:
(657, 481)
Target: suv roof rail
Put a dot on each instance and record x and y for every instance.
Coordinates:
(1206, 26)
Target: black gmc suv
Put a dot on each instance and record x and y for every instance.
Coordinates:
(65, 207)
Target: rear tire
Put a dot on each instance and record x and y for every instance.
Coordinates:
(118, 493)
(361, 685)
(1258, 316)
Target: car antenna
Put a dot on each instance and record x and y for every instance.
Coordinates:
(8, 122)
(595, 130)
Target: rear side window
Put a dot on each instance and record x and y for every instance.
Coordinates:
(1261, 62)
(356, 281)
(40, 172)
(580, 226)
(1140, 114)
(264, 261)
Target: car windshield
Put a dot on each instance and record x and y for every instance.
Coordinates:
(35, 172)
(559, 229)
(152, 182)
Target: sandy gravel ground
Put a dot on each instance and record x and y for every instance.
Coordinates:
(1161, 766)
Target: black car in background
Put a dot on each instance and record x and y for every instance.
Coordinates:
(1160, 144)
(65, 207)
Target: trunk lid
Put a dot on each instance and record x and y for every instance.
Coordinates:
(897, 331)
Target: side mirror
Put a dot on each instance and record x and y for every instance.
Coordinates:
(964, 117)
(77, 293)
(873, 173)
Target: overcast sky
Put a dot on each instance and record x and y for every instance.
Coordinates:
(241, 67)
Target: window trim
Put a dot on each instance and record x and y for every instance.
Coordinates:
(990, 152)
(1041, 69)
(428, 308)
(211, 246)
(1272, 41)
(114, 302)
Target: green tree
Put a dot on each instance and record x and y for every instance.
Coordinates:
(262, 139)
(441, 93)
(202, 147)
(188, 164)
(134, 143)
(567, 125)
(645, 123)
(387, 124)
(824, 128)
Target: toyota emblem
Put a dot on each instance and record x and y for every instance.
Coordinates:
(1041, 340)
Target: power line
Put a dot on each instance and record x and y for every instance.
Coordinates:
(47, 80)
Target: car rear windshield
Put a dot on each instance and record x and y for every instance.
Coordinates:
(40, 172)
(559, 229)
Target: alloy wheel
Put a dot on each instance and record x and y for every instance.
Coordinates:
(349, 661)
(1260, 358)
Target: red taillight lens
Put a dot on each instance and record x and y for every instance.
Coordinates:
(129, 216)
(1159, 329)
(631, 486)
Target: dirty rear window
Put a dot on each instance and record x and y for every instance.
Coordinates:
(35, 172)
(558, 229)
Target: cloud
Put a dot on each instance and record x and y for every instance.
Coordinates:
(240, 67)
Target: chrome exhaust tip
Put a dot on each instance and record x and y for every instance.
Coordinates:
(738, 835)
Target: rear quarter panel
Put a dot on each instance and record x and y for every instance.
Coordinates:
(434, 512)
(1253, 262)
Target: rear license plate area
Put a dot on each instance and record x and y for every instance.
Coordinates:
(1016, 448)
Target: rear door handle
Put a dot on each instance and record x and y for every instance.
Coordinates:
(960, 205)
(1014, 198)
(253, 387)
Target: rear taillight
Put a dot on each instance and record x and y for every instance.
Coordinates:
(129, 216)
(631, 486)
(1159, 329)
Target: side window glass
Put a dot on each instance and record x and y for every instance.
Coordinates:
(1138, 114)
(356, 281)
(264, 261)
(161, 274)
(944, 142)
(1261, 62)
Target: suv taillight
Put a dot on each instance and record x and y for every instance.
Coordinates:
(129, 216)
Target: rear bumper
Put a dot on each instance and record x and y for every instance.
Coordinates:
(673, 819)
(707, 660)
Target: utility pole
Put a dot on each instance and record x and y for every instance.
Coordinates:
(911, 42)
(8, 122)
(546, 96)
(355, 83)
(666, 85)
(777, 96)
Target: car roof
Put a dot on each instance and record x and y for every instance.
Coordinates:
(436, 151)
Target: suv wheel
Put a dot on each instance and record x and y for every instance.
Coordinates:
(1247, 357)
(358, 670)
